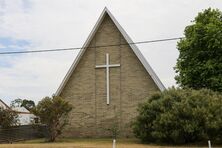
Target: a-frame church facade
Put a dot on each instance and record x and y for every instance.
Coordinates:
(106, 82)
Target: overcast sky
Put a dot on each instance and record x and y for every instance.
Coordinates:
(48, 24)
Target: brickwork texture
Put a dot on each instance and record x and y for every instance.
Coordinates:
(130, 84)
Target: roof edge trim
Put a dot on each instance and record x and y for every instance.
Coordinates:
(127, 38)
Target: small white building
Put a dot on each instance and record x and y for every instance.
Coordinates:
(24, 116)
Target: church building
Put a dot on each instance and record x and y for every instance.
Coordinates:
(106, 82)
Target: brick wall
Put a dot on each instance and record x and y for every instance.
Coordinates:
(130, 84)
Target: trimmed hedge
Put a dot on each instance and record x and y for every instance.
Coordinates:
(180, 116)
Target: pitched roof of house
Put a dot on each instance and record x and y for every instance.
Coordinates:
(129, 41)
(4, 104)
(20, 110)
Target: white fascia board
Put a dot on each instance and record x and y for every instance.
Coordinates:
(138, 53)
(81, 52)
(129, 41)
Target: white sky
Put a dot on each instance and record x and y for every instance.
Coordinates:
(46, 24)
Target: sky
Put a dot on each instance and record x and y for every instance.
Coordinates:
(49, 24)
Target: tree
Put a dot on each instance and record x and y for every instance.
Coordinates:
(54, 113)
(199, 64)
(16, 103)
(8, 118)
(180, 116)
(28, 104)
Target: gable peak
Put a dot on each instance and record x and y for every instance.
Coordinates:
(128, 40)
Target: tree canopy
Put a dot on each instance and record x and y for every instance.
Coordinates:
(200, 59)
(28, 104)
(8, 118)
(54, 113)
(16, 103)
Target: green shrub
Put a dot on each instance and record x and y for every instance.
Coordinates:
(180, 116)
(8, 118)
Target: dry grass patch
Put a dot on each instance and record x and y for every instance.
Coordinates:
(87, 143)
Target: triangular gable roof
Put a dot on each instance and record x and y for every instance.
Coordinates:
(127, 38)
(21, 110)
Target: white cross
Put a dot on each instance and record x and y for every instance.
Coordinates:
(107, 66)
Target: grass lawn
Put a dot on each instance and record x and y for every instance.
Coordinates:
(88, 143)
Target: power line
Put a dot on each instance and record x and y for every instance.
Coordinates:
(78, 48)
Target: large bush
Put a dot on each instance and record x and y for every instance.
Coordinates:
(180, 116)
(53, 112)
